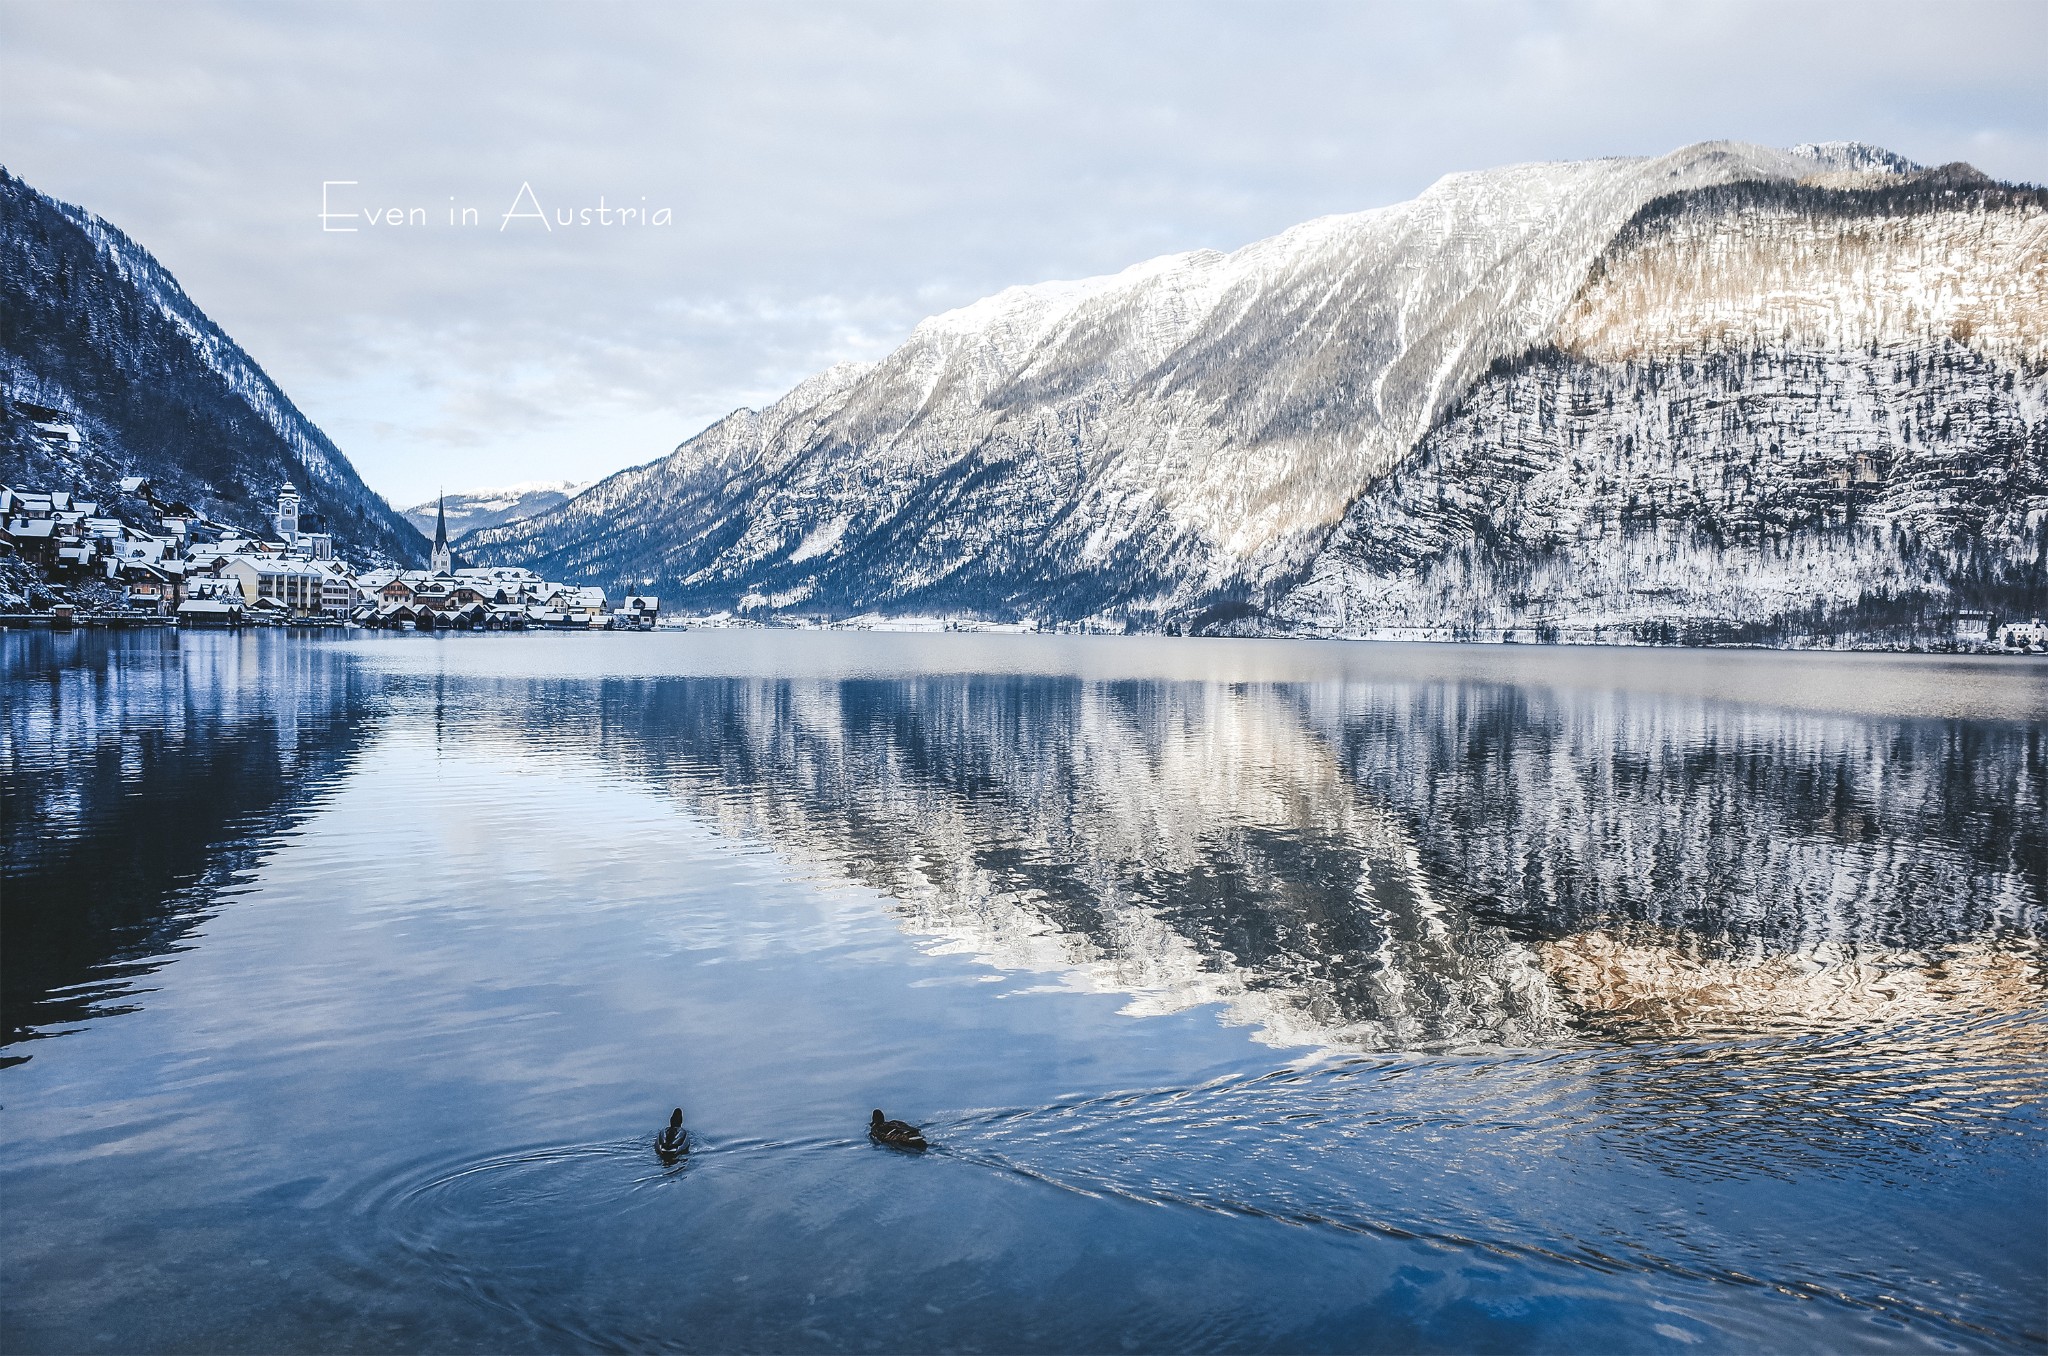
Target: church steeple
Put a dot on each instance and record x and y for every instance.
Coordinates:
(287, 516)
(444, 560)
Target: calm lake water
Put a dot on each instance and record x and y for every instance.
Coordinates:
(1254, 996)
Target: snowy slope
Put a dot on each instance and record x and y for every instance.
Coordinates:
(98, 330)
(1176, 444)
(1772, 414)
(137, 267)
(1210, 413)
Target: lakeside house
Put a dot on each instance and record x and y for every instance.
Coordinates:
(2027, 635)
(203, 573)
(209, 612)
(295, 586)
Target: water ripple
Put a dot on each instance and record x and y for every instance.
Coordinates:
(1478, 1154)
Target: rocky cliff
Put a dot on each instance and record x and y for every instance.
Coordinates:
(1773, 413)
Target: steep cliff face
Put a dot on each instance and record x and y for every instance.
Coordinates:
(94, 328)
(1181, 435)
(1774, 413)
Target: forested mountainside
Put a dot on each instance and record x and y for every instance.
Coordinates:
(1614, 398)
(1775, 413)
(96, 334)
(473, 510)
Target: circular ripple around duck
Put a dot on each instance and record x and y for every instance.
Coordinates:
(579, 1245)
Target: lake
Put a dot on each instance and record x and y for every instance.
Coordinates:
(1254, 996)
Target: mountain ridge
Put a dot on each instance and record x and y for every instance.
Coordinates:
(98, 329)
(473, 510)
(1179, 445)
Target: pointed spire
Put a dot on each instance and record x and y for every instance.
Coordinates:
(443, 560)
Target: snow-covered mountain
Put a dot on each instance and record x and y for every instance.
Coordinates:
(1773, 413)
(99, 336)
(472, 510)
(1260, 440)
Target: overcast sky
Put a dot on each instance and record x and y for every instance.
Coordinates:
(835, 173)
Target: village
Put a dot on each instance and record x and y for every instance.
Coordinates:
(137, 560)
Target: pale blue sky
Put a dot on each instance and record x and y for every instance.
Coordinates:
(838, 172)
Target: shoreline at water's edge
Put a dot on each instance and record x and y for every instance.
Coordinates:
(909, 627)
(1509, 636)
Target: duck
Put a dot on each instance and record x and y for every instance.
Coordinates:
(672, 1143)
(895, 1134)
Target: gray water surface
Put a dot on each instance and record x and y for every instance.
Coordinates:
(1254, 996)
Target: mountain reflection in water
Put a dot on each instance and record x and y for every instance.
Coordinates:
(1373, 866)
(136, 785)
